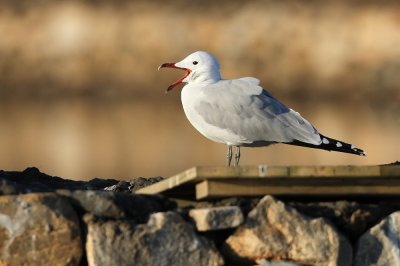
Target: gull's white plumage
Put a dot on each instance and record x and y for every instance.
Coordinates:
(239, 112)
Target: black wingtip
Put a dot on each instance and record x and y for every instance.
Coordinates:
(340, 146)
(330, 144)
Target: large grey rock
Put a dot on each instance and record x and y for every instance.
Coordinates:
(117, 205)
(380, 245)
(208, 219)
(274, 231)
(350, 217)
(165, 240)
(38, 229)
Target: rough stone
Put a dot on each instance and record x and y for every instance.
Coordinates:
(8, 187)
(351, 218)
(217, 218)
(118, 205)
(380, 245)
(32, 180)
(135, 184)
(38, 229)
(165, 240)
(274, 231)
(121, 186)
(244, 203)
(277, 263)
(142, 182)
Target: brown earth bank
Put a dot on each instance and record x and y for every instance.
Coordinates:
(48, 220)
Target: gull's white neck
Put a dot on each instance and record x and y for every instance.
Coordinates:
(204, 77)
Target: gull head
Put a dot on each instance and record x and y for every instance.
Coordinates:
(199, 67)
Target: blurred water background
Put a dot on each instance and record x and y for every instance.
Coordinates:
(81, 97)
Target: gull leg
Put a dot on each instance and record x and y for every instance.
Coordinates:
(237, 156)
(229, 156)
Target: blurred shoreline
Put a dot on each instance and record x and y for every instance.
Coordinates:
(74, 139)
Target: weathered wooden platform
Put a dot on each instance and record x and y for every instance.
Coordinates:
(306, 181)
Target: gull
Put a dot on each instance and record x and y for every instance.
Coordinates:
(240, 113)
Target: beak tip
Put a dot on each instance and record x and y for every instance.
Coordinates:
(166, 65)
(168, 89)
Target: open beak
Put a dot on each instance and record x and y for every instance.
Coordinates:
(179, 81)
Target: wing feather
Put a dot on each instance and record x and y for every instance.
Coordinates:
(244, 108)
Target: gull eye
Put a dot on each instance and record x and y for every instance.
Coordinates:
(195, 62)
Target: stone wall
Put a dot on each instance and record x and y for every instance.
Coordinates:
(47, 220)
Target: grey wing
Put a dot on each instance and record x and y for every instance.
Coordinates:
(245, 109)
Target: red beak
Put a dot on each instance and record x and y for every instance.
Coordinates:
(179, 81)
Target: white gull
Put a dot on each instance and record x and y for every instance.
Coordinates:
(239, 112)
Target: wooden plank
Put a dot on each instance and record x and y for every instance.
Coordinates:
(224, 188)
(190, 177)
(390, 170)
(241, 171)
(197, 174)
(293, 171)
(334, 171)
(170, 183)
